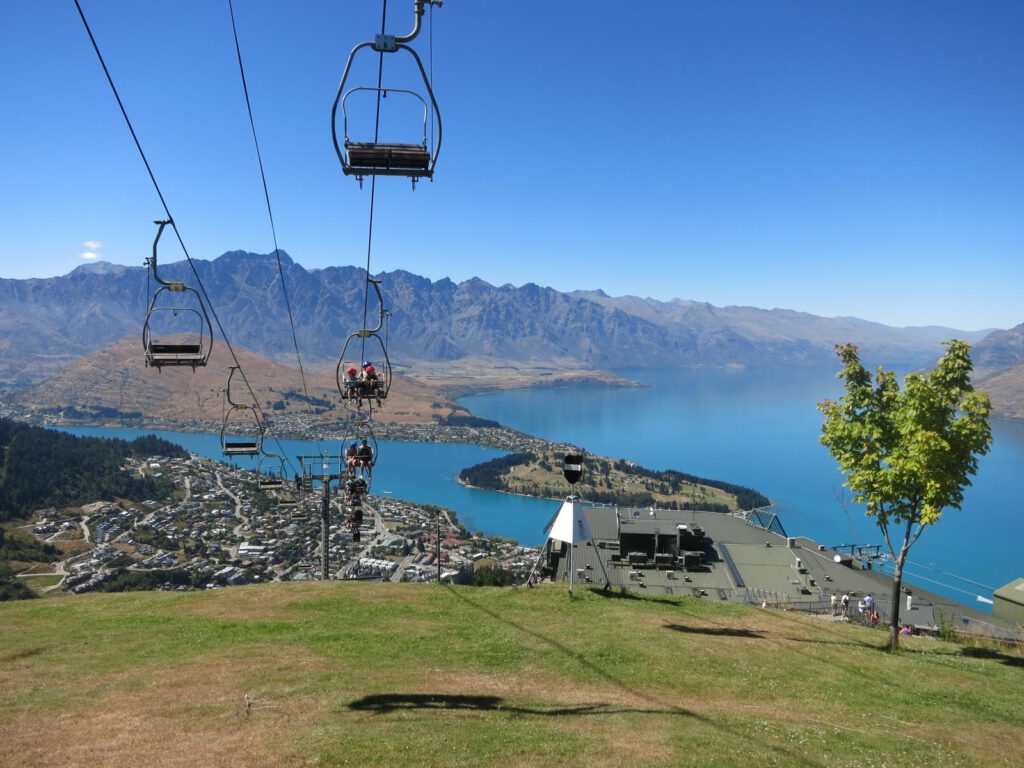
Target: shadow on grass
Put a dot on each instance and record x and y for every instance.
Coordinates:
(621, 593)
(789, 757)
(384, 703)
(716, 631)
(994, 655)
(26, 654)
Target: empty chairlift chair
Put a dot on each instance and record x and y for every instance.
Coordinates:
(414, 159)
(241, 433)
(270, 472)
(177, 330)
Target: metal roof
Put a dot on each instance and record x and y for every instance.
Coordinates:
(745, 563)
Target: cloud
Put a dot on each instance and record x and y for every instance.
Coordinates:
(89, 256)
(92, 245)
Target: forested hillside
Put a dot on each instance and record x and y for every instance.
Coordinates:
(45, 468)
(611, 481)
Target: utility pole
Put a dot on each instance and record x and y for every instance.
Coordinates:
(320, 468)
(437, 548)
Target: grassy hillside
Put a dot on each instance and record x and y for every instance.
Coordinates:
(359, 674)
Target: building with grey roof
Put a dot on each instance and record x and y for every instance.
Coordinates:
(717, 556)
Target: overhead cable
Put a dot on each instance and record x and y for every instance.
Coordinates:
(177, 233)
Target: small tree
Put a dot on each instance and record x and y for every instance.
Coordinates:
(907, 454)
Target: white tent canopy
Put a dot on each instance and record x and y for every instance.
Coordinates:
(570, 525)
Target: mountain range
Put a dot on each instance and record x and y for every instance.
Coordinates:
(47, 323)
(442, 330)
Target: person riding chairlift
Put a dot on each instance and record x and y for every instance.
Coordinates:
(352, 386)
(371, 382)
(364, 458)
(352, 459)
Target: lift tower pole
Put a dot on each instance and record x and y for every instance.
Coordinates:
(319, 468)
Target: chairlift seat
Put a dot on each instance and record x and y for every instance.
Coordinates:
(174, 349)
(240, 448)
(159, 355)
(271, 484)
(371, 159)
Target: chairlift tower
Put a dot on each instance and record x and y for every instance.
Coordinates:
(320, 468)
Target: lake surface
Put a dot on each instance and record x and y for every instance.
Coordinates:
(760, 428)
(756, 428)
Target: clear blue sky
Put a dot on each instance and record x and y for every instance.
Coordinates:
(842, 158)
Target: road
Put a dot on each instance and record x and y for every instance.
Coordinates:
(237, 530)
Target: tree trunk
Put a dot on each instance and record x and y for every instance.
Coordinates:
(894, 613)
(897, 583)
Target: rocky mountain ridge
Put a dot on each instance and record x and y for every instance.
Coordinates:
(46, 323)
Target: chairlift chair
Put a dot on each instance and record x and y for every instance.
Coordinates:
(376, 158)
(366, 344)
(356, 432)
(269, 478)
(163, 348)
(240, 421)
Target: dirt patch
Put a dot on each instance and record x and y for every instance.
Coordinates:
(195, 716)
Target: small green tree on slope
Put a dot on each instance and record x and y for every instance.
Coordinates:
(907, 454)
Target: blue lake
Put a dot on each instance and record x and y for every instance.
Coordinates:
(760, 428)
(757, 428)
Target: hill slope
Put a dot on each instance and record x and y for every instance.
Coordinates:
(1006, 388)
(115, 380)
(356, 674)
(999, 350)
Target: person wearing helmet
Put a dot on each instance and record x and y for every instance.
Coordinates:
(352, 459)
(351, 384)
(371, 382)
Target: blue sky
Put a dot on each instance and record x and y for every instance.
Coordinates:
(840, 158)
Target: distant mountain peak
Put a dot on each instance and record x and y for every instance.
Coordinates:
(100, 268)
(230, 256)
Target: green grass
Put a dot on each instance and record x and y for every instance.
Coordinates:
(42, 580)
(355, 674)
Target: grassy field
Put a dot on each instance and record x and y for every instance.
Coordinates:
(356, 674)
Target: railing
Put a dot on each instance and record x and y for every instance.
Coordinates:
(949, 616)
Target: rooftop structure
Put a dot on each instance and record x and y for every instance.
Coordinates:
(718, 556)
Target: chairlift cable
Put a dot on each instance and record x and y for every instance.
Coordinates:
(913, 564)
(373, 183)
(270, 215)
(430, 37)
(167, 211)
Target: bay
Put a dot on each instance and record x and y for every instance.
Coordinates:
(760, 428)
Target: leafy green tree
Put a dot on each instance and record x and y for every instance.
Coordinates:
(907, 454)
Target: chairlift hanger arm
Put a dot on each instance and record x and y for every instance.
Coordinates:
(418, 13)
(175, 285)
